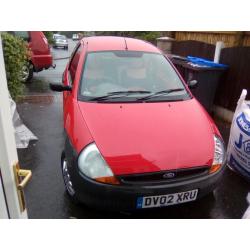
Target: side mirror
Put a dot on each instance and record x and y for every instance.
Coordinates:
(192, 84)
(59, 87)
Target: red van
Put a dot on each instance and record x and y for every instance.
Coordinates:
(41, 57)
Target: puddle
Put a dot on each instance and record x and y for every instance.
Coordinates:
(37, 85)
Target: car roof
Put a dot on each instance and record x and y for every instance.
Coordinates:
(107, 43)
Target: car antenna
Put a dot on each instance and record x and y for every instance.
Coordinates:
(126, 46)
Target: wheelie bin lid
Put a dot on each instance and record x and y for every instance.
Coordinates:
(204, 62)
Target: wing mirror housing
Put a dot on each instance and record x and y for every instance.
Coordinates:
(192, 84)
(59, 87)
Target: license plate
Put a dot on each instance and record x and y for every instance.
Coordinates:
(166, 200)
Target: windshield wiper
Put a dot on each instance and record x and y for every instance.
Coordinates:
(117, 94)
(130, 92)
(160, 93)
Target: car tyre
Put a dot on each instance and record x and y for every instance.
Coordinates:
(27, 73)
(67, 181)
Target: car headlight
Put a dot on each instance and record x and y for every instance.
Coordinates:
(219, 154)
(92, 164)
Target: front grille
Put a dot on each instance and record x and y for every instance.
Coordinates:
(164, 176)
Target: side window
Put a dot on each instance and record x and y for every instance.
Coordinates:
(23, 34)
(74, 63)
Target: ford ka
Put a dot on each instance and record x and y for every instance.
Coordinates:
(135, 136)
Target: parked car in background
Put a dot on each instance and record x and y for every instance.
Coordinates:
(136, 137)
(75, 37)
(60, 41)
(41, 57)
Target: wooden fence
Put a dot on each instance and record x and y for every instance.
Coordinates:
(235, 78)
(230, 38)
(193, 48)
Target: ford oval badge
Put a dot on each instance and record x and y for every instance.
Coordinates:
(169, 175)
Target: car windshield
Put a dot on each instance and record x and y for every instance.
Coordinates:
(130, 76)
(60, 37)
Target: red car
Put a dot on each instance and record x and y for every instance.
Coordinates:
(41, 57)
(135, 136)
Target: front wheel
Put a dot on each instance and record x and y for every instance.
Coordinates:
(27, 72)
(67, 179)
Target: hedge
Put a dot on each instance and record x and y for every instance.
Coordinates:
(49, 36)
(16, 54)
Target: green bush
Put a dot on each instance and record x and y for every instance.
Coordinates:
(16, 54)
(149, 36)
(49, 36)
(144, 35)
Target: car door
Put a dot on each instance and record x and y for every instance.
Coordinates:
(69, 78)
(12, 178)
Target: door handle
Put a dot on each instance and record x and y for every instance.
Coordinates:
(27, 176)
(22, 177)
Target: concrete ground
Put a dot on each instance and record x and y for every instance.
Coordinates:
(41, 111)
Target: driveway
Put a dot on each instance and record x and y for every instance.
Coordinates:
(41, 111)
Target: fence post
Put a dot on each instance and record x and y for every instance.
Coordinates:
(219, 46)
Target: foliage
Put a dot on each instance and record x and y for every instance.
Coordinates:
(16, 55)
(149, 36)
(144, 35)
(49, 36)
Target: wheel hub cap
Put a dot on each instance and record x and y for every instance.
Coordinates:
(66, 178)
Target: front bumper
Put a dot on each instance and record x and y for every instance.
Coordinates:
(124, 197)
(60, 44)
